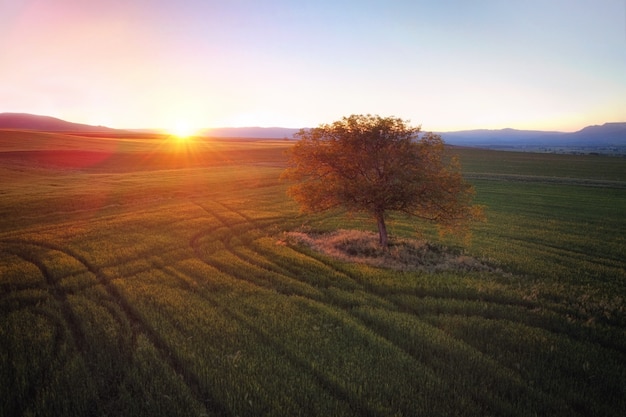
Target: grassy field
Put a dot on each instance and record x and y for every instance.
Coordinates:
(150, 277)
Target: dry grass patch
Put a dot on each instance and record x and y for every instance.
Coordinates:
(402, 254)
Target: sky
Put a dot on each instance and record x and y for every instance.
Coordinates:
(445, 65)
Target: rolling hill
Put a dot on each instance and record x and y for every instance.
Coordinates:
(25, 121)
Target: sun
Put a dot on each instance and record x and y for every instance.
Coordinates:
(183, 131)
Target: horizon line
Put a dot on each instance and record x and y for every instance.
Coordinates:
(166, 129)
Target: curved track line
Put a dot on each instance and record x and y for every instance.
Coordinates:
(332, 387)
(59, 296)
(138, 324)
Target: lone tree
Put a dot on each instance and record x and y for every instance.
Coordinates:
(378, 165)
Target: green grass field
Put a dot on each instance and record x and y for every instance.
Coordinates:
(148, 277)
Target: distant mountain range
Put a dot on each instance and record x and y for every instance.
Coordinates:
(27, 121)
(606, 135)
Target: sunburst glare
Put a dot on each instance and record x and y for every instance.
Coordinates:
(183, 131)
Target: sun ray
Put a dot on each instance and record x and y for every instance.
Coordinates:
(183, 131)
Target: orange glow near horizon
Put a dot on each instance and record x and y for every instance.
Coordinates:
(183, 131)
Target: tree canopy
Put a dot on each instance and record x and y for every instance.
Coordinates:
(378, 165)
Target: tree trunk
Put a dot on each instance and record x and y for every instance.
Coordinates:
(382, 230)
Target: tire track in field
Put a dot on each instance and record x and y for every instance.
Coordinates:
(148, 255)
(237, 212)
(57, 293)
(83, 347)
(227, 225)
(225, 267)
(512, 314)
(193, 241)
(225, 242)
(421, 292)
(69, 320)
(359, 284)
(559, 251)
(334, 387)
(330, 385)
(46, 246)
(480, 398)
(138, 325)
(17, 404)
(259, 223)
